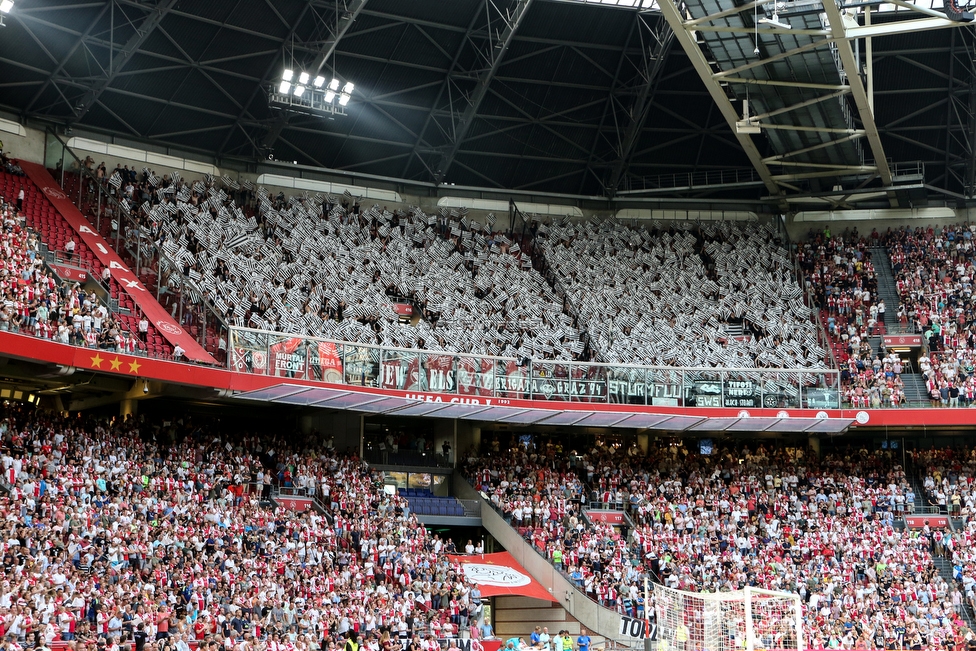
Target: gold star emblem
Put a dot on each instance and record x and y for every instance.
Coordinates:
(97, 361)
(134, 366)
(116, 363)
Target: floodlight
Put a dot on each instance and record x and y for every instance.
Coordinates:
(348, 88)
(329, 96)
(319, 81)
(6, 6)
(343, 99)
(287, 74)
(303, 78)
(334, 84)
(299, 89)
(775, 22)
(284, 88)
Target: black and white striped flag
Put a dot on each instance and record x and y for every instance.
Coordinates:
(115, 181)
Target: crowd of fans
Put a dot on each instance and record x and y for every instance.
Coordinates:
(153, 533)
(327, 267)
(934, 269)
(949, 483)
(772, 517)
(667, 295)
(34, 302)
(275, 263)
(840, 277)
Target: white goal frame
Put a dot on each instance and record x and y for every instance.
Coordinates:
(752, 619)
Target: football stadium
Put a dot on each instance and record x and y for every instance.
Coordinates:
(487, 325)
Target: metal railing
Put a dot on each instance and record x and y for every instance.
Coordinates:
(365, 365)
(693, 179)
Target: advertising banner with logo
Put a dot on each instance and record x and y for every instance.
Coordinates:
(626, 385)
(608, 516)
(287, 357)
(475, 376)
(511, 379)
(640, 629)
(400, 370)
(589, 383)
(325, 361)
(500, 575)
(550, 381)
(65, 272)
(249, 360)
(819, 398)
(362, 365)
(704, 394)
(664, 388)
(127, 281)
(742, 393)
(439, 373)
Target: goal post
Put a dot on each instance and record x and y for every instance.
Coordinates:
(745, 620)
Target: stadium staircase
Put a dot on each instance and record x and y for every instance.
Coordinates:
(55, 232)
(602, 623)
(144, 262)
(887, 289)
(944, 565)
(915, 393)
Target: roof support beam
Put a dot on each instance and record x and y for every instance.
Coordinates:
(346, 19)
(683, 35)
(118, 62)
(64, 61)
(492, 53)
(860, 95)
(264, 79)
(445, 86)
(655, 48)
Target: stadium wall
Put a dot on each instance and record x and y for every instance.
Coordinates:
(800, 225)
(21, 142)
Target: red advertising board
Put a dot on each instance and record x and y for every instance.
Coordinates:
(919, 521)
(295, 503)
(70, 273)
(609, 516)
(500, 574)
(910, 341)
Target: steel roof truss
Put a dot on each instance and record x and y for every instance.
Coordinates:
(858, 92)
(682, 32)
(656, 40)
(503, 23)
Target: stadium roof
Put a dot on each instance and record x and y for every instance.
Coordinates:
(589, 95)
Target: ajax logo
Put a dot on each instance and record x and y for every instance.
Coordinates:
(55, 193)
(167, 326)
(862, 417)
(496, 575)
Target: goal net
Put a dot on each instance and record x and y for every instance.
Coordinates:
(746, 620)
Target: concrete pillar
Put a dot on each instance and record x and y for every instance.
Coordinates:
(468, 437)
(814, 443)
(643, 442)
(128, 407)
